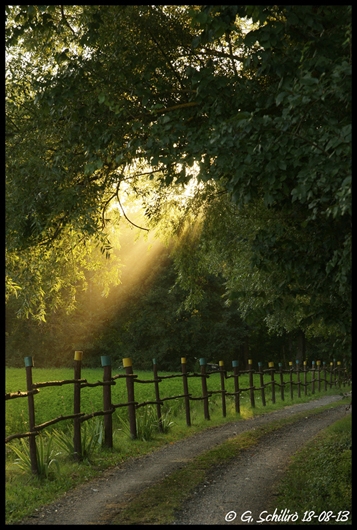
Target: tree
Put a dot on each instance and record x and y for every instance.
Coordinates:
(142, 320)
(269, 297)
(146, 88)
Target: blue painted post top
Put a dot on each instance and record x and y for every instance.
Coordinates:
(202, 361)
(154, 361)
(105, 360)
(28, 361)
(235, 364)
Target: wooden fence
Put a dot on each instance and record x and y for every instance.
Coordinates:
(300, 378)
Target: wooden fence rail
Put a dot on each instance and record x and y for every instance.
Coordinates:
(319, 375)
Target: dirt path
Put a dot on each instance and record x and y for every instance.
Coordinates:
(245, 485)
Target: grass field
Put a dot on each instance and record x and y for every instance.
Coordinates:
(54, 401)
(24, 493)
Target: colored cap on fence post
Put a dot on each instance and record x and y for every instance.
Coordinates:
(105, 360)
(338, 363)
(235, 364)
(318, 363)
(78, 355)
(28, 361)
(312, 363)
(260, 364)
(305, 363)
(202, 361)
(183, 360)
(290, 363)
(280, 365)
(271, 365)
(154, 361)
(250, 361)
(220, 363)
(127, 362)
(297, 361)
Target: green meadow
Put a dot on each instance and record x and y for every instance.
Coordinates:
(54, 401)
(60, 472)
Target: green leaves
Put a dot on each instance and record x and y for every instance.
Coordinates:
(93, 166)
(257, 98)
(308, 80)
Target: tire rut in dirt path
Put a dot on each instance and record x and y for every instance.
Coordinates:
(243, 491)
(95, 502)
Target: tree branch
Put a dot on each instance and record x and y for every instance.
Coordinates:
(126, 217)
(66, 21)
(176, 107)
(232, 56)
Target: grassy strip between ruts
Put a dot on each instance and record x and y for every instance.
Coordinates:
(158, 503)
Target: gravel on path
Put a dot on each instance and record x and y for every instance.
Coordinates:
(243, 486)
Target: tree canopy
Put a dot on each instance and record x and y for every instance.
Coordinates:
(253, 103)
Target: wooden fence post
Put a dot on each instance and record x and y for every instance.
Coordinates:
(271, 366)
(262, 389)
(339, 374)
(318, 364)
(107, 401)
(331, 371)
(325, 375)
(77, 442)
(334, 372)
(127, 364)
(185, 391)
(236, 386)
(291, 379)
(204, 388)
(305, 378)
(281, 381)
(312, 377)
(251, 383)
(222, 374)
(157, 395)
(31, 409)
(298, 377)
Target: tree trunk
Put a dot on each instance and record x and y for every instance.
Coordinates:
(301, 346)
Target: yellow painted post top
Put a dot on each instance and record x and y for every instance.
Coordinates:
(183, 360)
(78, 355)
(338, 363)
(221, 363)
(127, 362)
(305, 363)
(290, 363)
(271, 365)
(318, 363)
(250, 361)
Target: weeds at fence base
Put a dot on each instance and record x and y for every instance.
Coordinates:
(92, 439)
(46, 456)
(147, 424)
